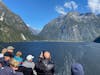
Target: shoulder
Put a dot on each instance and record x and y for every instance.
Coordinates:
(33, 63)
(5, 71)
(25, 62)
(7, 68)
(19, 73)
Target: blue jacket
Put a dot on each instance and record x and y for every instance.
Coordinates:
(77, 69)
(9, 71)
(19, 59)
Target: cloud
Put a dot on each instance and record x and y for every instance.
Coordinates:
(94, 6)
(60, 10)
(71, 5)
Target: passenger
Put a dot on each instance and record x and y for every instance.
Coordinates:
(11, 70)
(18, 57)
(4, 50)
(77, 69)
(10, 49)
(7, 58)
(45, 66)
(29, 63)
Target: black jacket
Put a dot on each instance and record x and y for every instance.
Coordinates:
(44, 67)
(26, 71)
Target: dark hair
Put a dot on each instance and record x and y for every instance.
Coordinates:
(43, 52)
(8, 54)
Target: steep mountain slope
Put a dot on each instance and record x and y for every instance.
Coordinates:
(12, 27)
(73, 27)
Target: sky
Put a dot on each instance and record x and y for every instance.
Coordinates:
(37, 13)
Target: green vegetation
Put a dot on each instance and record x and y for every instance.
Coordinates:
(12, 27)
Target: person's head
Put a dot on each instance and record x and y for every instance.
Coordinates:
(47, 55)
(77, 69)
(7, 56)
(29, 58)
(10, 49)
(4, 50)
(14, 64)
(19, 53)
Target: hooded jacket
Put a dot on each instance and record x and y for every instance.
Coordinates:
(77, 69)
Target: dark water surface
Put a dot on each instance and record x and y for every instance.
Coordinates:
(64, 54)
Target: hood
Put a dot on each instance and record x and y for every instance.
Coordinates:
(77, 69)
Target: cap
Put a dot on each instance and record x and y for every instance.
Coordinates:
(29, 57)
(10, 47)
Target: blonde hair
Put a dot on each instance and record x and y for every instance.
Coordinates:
(19, 53)
(14, 63)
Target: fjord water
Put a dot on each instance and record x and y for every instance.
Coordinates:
(64, 54)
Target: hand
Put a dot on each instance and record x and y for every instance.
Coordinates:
(41, 55)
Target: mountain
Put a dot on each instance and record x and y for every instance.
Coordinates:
(73, 27)
(34, 31)
(12, 27)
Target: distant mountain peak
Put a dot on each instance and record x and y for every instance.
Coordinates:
(73, 27)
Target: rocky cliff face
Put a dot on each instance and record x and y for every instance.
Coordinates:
(73, 27)
(12, 27)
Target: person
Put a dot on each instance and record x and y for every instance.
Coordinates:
(45, 65)
(18, 57)
(4, 50)
(10, 70)
(29, 63)
(6, 59)
(77, 69)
